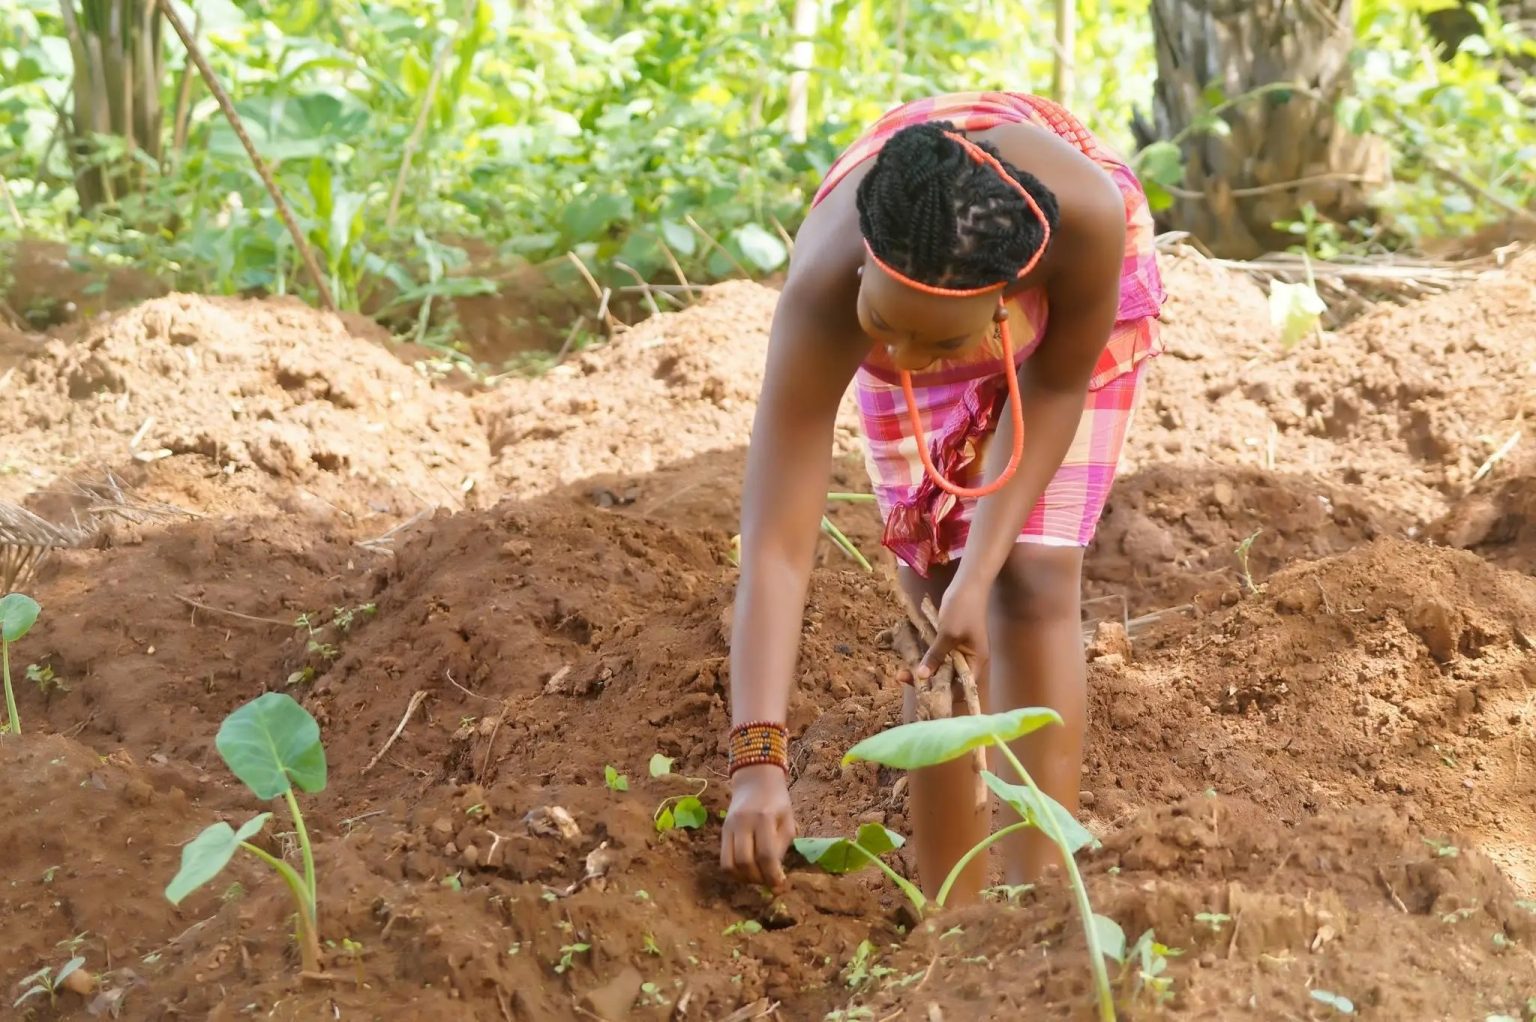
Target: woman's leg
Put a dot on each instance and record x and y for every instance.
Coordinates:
(1035, 634)
(945, 816)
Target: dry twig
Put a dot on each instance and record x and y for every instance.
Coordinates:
(410, 709)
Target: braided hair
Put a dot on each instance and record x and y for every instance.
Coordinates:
(933, 213)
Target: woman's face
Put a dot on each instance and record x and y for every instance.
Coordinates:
(916, 328)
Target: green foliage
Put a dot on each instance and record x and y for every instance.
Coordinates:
(615, 780)
(18, 613)
(273, 745)
(931, 742)
(1466, 115)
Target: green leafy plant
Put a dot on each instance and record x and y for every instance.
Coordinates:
(1149, 958)
(43, 677)
(46, 981)
(615, 780)
(272, 745)
(18, 612)
(931, 742)
(1242, 551)
(568, 955)
(1214, 920)
(685, 811)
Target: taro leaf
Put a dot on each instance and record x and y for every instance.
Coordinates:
(1111, 937)
(840, 855)
(1161, 163)
(271, 741)
(1033, 806)
(927, 743)
(1294, 310)
(661, 765)
(761, 247)
(209, 852)
(689, 813)
(18, 612)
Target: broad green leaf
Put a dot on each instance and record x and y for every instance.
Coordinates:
(208, 853)
(615, 780)
(18, 612)
(1111, 937)
(272, 743)
(69, 968)
(1033, 806)
(1158, 197)
(927, 743)
(1161, 163)
(661, 765)
(1294, 310)
(679, 238)
(840, 855)
(666, 821)
(689, 813)
(762, 247)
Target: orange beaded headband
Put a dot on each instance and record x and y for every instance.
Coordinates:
(986, 159)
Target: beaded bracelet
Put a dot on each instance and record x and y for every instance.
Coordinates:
(758, 743)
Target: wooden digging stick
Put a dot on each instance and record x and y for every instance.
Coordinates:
(926, 623)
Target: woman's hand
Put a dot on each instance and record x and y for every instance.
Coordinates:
(962, 629)
(759, 825)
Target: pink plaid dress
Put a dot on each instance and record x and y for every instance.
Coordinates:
(960, 400)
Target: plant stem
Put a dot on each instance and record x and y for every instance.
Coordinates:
(965, 860)
(907, 887)
(844, 543)
(307, 937)
(309, 856)
(1084, 908)
(13, 725)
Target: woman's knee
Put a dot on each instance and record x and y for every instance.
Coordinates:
(1039, 584)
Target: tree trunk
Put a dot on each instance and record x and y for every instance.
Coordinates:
(1280, 148)
(119, 67)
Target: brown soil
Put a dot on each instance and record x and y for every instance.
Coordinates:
(1322, 781)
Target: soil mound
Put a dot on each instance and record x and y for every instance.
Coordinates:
(270, 393)
(1499, 524)
(1406, 402)
(676, 386)
(1240, 919)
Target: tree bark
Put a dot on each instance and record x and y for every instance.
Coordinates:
(1280, 148)
(119, 67)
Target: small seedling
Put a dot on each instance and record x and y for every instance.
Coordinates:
(651, 947)
(273, 745)
(863, 969)
(1150, 959)
(615, 780)
(1342, 1005)
(345, 617)
(1214, 920)
(928, 743)
(18, 613)
(650, 994)
(46, 981)
(1242, 560)
(685, 811)
(745, 927)
(42, 676)
(568, 954)
(1443, 849)
(454, 881)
